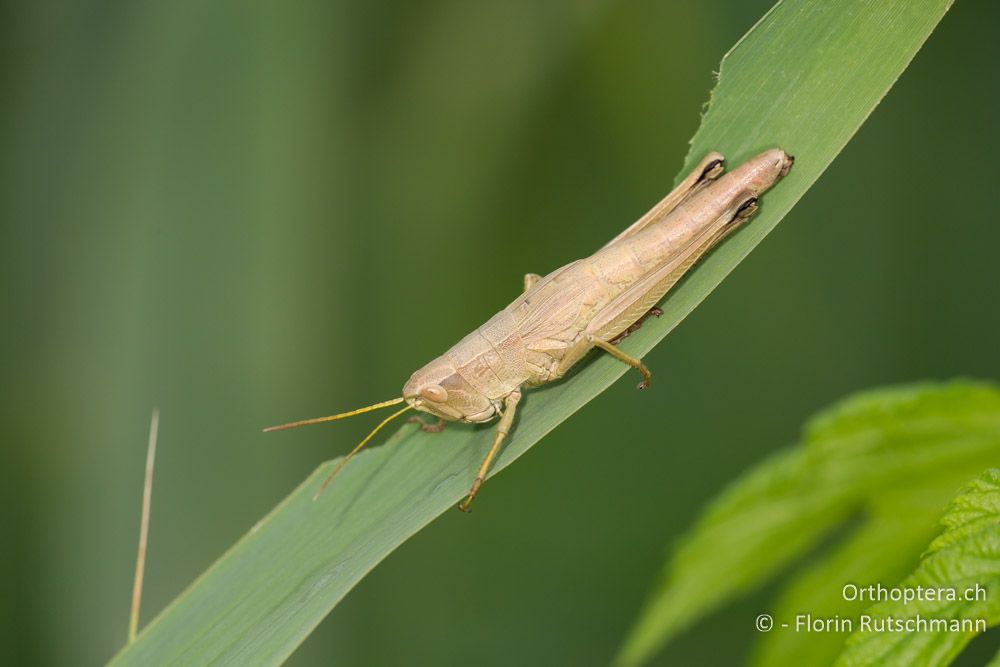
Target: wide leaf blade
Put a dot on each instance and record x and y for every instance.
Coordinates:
(265, 595)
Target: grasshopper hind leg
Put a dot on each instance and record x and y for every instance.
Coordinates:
(635, 326)
(708, 170)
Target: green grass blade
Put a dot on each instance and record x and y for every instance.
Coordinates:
(804, 78)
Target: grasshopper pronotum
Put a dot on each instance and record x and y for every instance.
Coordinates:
(592, 302)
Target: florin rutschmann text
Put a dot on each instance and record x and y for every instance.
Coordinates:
(888, 623)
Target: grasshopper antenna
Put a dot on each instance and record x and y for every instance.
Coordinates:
(342, 415)
(358, 447)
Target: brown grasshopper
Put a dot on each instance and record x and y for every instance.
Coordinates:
(592, 302)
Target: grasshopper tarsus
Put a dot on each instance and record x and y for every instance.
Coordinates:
(746, 209)
(466, 503)
(713, 169)
(436, 427)
(647, 378)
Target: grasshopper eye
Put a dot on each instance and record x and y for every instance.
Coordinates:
(435, 393)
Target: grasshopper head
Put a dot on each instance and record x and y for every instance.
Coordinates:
(439, 389)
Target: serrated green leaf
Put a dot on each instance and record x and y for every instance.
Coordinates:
(966, 555)
(884, 547)
(863, 454)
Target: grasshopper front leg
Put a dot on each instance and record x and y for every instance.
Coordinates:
(436, 427)
(503, 428)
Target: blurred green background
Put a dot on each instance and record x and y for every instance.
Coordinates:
(249, 212)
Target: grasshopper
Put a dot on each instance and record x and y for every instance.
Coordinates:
(590, 303)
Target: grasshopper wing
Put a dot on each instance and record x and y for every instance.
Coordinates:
(709, 169)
